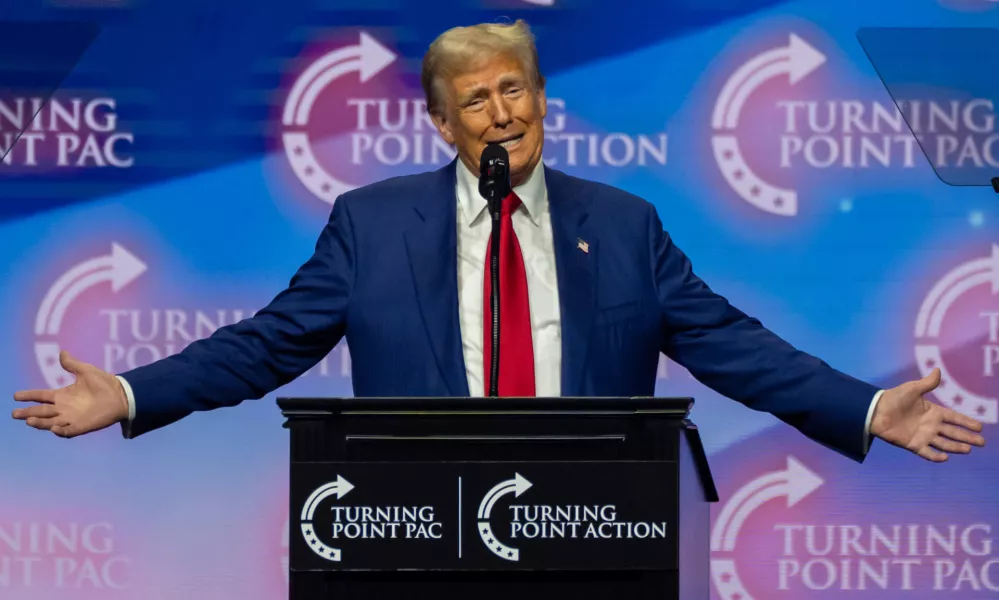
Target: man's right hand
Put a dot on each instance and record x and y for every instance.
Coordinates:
(94, 401)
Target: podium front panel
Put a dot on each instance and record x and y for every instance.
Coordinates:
(525, 498)
(485, 515)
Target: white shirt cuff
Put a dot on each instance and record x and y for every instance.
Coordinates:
(870, 417)
(130, 397)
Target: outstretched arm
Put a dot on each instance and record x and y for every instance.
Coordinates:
(244, 360)
(735, 355)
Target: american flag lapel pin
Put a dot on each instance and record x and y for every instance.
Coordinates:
(583, 245)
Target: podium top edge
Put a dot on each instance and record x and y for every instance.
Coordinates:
(677, 407)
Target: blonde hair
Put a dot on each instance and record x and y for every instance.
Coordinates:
(457, 49)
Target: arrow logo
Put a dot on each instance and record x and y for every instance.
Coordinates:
(797, 60)
(796, 482)
(339, 488)
(367, 58)
(961, 279)
(120, 268)
(517, 486)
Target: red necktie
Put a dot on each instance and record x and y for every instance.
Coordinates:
(516, 368)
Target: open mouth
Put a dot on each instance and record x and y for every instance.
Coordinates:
(511, 142)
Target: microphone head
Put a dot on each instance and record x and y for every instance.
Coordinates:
(492, 154)
(494, 172)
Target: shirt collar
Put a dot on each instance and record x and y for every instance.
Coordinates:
(532, 193)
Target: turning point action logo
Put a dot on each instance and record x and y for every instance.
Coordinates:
(516, 486)
(393, 134)
(367, 59)
(119, 268)
(554, 522)
(802, 137)
(122, 338)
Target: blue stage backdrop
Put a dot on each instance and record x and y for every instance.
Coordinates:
(187, 165)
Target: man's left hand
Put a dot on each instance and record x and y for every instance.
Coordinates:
(907, 420)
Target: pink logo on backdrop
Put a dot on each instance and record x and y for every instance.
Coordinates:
(62, 558)
(63, 132)
(98, 309)
(957, 331)
(348, 121)
(793, 62)
(306, 136)
(782, 531)
(117, 269)
(789, 486)
(786, 125)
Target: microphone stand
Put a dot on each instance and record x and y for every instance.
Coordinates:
(494, 185)
(494, 297)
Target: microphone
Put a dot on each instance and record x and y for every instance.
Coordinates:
(494, 176)
(494, 185)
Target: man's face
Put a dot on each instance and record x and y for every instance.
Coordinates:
(494, 101)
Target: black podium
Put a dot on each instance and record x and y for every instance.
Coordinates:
(484, 498)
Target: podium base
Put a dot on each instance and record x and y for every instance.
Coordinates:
(491, 585)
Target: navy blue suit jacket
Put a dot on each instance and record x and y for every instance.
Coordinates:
(384, 274)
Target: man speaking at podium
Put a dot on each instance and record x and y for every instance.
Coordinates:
(591, 290)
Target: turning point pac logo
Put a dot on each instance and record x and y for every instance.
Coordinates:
(792, 533)
(339, 488)
(957, 331)
(796, 482)
(795, 62)
(785, 123)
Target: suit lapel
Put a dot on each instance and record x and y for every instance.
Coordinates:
(577, 273)
(432, 245)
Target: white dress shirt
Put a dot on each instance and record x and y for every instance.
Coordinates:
(533, 226)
